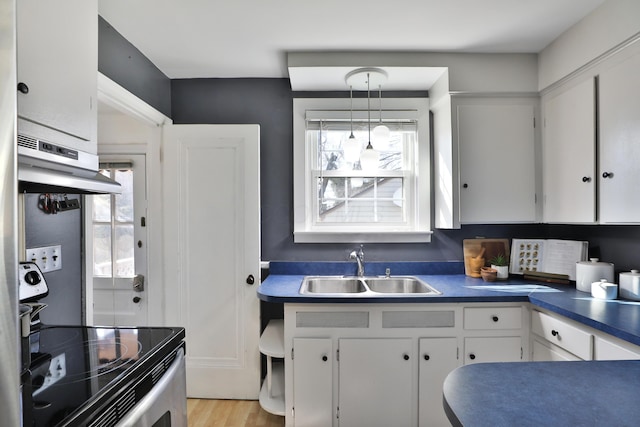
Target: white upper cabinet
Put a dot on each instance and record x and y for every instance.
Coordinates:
(619, 149)
(568, 155)
(496, 140)
(57, 45)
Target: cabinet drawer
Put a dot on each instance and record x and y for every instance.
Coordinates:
(492, 349)
(493, 318)
(562, 334)
(608, 349)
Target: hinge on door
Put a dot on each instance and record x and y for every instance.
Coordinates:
(457, 353)
(291, 353)
(293, 412)
(143, 222)
(337, 412)
(534, 122)
(338, 355)
(521, 353)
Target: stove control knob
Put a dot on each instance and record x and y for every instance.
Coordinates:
(32, 278)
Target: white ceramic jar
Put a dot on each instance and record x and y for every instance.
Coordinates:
(591, 271)
(630, 285)
(604, 290)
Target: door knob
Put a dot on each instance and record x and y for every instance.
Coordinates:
(251, 280)
(607, 174)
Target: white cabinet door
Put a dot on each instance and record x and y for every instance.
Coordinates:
(492, 349)
(313, 382)
(568, 156)
(614, 349)
(544, 351)
(58, 62)
(497, 163)
(377, 382)
(619, 150)
(438, 357)
(212, 254)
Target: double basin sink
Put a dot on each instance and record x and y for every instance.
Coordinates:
(355, 286)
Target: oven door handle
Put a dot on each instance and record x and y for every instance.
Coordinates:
(167, 395)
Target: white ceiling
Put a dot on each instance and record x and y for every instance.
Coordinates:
(250, 38)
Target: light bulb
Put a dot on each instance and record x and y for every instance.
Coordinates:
(380, 136)
(351, 149)
(369, 158)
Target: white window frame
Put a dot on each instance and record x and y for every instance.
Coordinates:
(419, 226)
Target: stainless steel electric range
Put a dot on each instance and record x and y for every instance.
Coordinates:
(101, 376)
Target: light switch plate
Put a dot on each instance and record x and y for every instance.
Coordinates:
(48, 258)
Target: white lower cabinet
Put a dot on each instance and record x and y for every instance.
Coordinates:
(385, 364)
(560, 335)
(543, 351)
(492, 349)
(554, 337)
(612, 348)
(376, 386)
(437, 358)
(312, 381)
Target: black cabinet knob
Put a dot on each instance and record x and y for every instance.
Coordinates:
(406, 357)
(495, 318)
(586, 179)
(251, 280)
(607, 174)
(137, 299)
(32, 278)
(23, 88)
(426, 357)
(554, 332)
(465, 185)
(325, 358)
(472, 356)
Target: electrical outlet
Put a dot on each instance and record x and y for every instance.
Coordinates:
(47, 258)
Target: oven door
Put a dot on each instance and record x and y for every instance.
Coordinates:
(166, 404)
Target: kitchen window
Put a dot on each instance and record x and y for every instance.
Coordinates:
(335, 199)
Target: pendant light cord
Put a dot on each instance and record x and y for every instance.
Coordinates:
(351, 108)
(380, 98)
(369, 109)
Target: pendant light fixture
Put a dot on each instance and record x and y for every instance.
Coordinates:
(381, 132)
(363, 78)
(351, 147)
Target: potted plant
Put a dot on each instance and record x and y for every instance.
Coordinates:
(500, 263)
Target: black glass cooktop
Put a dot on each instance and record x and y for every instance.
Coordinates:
(75, 370)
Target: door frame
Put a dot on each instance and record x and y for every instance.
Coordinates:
(114, 95)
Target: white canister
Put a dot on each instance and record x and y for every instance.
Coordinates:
(591, 271)
(604, 290)
(630, 285)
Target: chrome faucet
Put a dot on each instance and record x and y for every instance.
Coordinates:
(358, 255)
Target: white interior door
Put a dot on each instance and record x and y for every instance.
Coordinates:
(212, 254)
(119, 244)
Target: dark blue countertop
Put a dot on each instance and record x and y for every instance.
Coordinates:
(544, 394)
(620, 318)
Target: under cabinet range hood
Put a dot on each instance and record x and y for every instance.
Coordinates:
(44, 167)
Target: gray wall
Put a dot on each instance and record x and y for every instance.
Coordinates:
(65, 285)
(123, 63)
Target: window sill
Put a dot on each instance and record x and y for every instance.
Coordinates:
(362, 237)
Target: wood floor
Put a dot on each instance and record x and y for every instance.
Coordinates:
(230, 413)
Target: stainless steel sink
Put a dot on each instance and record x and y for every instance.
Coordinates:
(332, 285)
(400, 285)
(365, 286)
